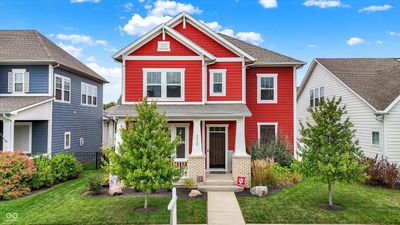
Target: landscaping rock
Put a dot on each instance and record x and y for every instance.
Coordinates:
(194, 194)
(259, 191)
(115, 186)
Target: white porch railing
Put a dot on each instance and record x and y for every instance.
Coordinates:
(173, 209)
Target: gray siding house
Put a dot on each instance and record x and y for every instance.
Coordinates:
(370, 88)
(50, 102)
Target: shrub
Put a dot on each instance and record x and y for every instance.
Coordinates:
(262, 172)
(188, 183)
(286, 176)
(95, 183)
(278, 149)
(45, 175)
(16, 171)
(105, 181)
(382, 173)
(66, 166)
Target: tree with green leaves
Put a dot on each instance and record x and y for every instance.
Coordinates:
(143, 159)
(331, 153)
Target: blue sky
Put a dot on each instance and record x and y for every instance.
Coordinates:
(93, 30)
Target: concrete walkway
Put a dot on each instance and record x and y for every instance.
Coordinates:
(223, 208)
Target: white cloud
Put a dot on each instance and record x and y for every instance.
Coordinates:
(75, 38)
(392, 33)
(324, 3)
(112, 90)
(101, 42)
(379, 42)
(312, 46)
(160, 12)
(91, 59)
(82, 1)
(376, 8)
(141, 1)
(128, 6)
(355, 41)
(74, 51)
(268, 4)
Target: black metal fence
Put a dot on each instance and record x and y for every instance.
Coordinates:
(89, 160)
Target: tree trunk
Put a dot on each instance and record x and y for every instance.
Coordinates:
(330, 195)
(145, 199)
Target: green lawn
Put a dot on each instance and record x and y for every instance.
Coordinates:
(64, 205)
(299, 204)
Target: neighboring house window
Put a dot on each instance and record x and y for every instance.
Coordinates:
(164, 84)
(18, 80)
(67, 140)
(267, 132)
(375, 138)
(267, 88)
(63, 89)
(317, 96)
(88, 94)
(182, 150)
(218, 82)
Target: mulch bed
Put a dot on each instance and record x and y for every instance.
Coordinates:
(333, 208)
(181, 193)
(246, 193)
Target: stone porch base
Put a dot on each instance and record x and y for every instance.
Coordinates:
(241, 166)
(196, 169)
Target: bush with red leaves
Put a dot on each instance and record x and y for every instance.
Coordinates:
(382, 173)
(16, 170)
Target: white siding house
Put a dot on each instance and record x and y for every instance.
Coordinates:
(367, 120)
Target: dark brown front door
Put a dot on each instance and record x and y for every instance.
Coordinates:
(217, 150)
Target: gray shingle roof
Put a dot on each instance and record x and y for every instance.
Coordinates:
(264, 56)
(12, 103)
(32, 46)
(377, 80)
(225, 110)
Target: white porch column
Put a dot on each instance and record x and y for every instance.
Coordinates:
(118, 139)
(196, 142)
(8, 135)
(240, 141)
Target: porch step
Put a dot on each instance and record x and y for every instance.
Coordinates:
(219, 182)
(216, 188)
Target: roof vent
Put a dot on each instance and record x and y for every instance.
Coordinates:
(163, 46)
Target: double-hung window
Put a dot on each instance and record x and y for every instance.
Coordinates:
(164, 84)
(267, 88)
(88, 94)
(63, 89)
(182, 150)
(218, 82)
(267, 132)
(317, 96)
(18, 80)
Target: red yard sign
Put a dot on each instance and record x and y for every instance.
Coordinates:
(241, 181)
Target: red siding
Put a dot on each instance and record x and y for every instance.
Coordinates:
(282, 112)
(134, 78)
(233, 81)
(177, 49)
(204, 41)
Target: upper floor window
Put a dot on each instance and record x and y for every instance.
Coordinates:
(63, 89)
(88, 94)
(218, 82)
(317, 95)
(18, 81)
(164, 84)
(267, 88)
(267, 132)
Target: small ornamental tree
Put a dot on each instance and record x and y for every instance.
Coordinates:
(143, 159)
(330, 153)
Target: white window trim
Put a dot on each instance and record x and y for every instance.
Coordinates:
(89, 86)
(164, 83)
(372, 138)
(212, 71)
(275, 100)
(167, 47)
(62, 88)
(265, 123)
(14, 72)
(173, 127)
(29, 124)
(314, 95)
(65, 138)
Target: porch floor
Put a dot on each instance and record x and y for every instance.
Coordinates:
(219, 177)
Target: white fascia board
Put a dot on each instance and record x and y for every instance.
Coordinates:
(392, 105)
(210, 33)
(306, 78)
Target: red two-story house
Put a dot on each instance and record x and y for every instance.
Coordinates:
(218, 93)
